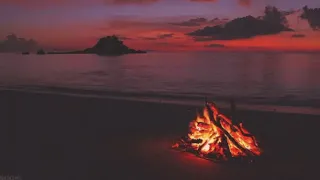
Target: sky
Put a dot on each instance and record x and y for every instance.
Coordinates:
(147, 24)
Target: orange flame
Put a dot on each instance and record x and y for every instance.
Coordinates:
(217, 135)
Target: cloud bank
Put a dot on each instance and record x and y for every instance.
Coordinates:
(12, 43)
(191, 22)
(313, 17)
(246, 27)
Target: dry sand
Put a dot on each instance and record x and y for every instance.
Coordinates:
(56, 137)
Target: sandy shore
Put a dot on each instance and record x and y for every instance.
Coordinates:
(47, 136)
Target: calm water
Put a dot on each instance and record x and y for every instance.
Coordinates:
(276, 78)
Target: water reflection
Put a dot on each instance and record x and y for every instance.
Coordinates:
(219, 74)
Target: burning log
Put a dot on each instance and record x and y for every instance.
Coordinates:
(213, 136)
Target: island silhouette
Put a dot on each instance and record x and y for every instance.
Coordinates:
(109, 45)
(41, 52)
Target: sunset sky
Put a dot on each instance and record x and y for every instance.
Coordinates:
(147, 24)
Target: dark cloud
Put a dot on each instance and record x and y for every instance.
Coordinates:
(203, 38)
(12, 43)
(215, 46)
(217, 21)
(191, 22)
(160, 36)
(198, 20)
(298, 36)
(185, 23)
(246, 27)
(313, 17)
(286, 13)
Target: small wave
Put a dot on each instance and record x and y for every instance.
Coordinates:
(169, 98)
(96, 73)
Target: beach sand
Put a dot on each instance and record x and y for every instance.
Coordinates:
(58, 137)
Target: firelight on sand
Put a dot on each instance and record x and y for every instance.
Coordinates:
(213, 136)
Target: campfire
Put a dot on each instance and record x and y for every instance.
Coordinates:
(214, 136)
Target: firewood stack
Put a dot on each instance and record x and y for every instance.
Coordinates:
(213, 136)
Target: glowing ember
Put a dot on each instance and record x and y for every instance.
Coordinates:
(213, 136)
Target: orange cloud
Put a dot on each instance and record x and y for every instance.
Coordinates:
(281, 41)
(164, 34)
(245, 2)
(142, 28)
(163, 37)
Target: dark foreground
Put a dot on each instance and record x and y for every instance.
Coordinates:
(55, 137)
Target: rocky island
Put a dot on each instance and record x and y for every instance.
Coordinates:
(109, 46)
(41, 52)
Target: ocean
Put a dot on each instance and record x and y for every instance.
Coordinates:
(65, 136)
(255, 78)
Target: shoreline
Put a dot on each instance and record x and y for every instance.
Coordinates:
(194, 101)
(48, 136)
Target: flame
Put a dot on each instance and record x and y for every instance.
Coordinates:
(215, 134)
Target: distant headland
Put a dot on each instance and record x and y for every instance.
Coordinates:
(106, 46)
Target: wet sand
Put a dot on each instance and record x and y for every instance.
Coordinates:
(50, 137)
